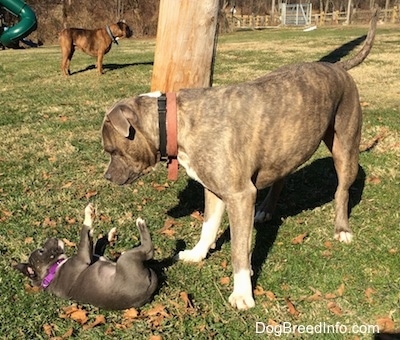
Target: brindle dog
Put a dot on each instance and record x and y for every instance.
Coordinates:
(95, 43)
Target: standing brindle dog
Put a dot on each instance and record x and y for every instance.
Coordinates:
(240, 138)
(95, 43)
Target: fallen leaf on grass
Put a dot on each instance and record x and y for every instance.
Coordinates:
(292, 309)
(68, 243)
(368, 293)
(330, 296)
(75, 313)
(167, 228)
(130, 314)
(340, 290)
(385, 324)
(67, 185)
(48, 330)
(225, 280)
(186, 300)
(90, 194)
(48, 222)
(157, 315)
(315, 297)
(160, 187)
(100, 320)
(31, 289)
(155, 337)
(373, 180)
(300, 238)
(197, 215)
(334, 308)
(28, 240)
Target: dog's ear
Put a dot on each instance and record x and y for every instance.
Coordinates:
(120, 117)
(26, 269)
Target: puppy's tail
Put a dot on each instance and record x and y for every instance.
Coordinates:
(369, 41)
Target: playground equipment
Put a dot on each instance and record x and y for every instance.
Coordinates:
(23, 28)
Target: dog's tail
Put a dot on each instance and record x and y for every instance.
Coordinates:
(363, 53)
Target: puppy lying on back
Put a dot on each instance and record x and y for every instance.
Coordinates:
(88, 277)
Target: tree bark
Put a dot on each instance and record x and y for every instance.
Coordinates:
(185, 44)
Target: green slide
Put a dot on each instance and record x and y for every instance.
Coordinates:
(24, 27)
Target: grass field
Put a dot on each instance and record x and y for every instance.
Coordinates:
(52, 164)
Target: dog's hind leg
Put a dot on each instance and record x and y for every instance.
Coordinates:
(214, 210)
(344, 147)
(267, 207)
(102, 243)
(67, 52)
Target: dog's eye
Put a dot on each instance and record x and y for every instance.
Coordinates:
(41, 251)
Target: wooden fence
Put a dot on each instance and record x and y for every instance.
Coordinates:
(319, 19)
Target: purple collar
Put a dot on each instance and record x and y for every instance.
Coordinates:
(51, 273)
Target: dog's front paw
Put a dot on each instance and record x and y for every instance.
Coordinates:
(90, 214)
(196, 254)
(241, 301)
(344, 236)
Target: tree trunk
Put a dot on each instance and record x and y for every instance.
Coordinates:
(186, 38)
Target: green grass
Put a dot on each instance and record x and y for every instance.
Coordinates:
(52, 163)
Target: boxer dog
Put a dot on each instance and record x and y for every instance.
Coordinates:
(95, 43)
(88, 277)
(237, 139)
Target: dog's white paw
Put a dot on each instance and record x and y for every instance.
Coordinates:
(90, 213)
(112, 235)
(241, 301)
(344, 237)
(196, 254)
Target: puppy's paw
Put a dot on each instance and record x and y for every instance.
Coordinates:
(90, 214)
(241, 301)
(344, 236)
(112, 235)
(141, 224)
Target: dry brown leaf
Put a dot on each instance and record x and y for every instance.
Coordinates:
(63, 119)
(70, 220)
(328, 244)
(373, 180)
(68, 333)
(330, 296)
(160, 187)
(225, 280)
(259, 291)
(334, 308)
(340, 290)
(130, 314)
(224, 264)
(167, 228)
(392, 251)
(68, 243)
(67, 185)
(31, 289)
(197, 215)
(49, 223)
(272, 322)
(48, 329)
(155, 337)
(100, 320)
(368, 293)
(315, 297)
(90, 194)
(28, 240)
(292, 309)
(385, 324)
(300, 238)
(270, 295)
(158, 309)
(79, 316)
(186, 300)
